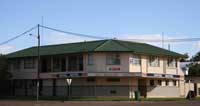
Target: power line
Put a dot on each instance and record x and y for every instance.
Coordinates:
(72, 33)
(165, 40)
(137, 40)
(9, 40)
(97, 37)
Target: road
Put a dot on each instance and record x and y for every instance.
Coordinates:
(93, 103)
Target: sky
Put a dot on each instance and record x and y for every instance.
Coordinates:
(121, 19)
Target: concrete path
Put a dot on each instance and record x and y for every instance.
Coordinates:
(93, 103)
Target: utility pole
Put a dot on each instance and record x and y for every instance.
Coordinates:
(168, 46)
(38, 70)
(162, 39)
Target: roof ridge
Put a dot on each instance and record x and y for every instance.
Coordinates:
(119, 41)
(106, 41)
(71, 43)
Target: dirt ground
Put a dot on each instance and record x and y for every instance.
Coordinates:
(92, 103)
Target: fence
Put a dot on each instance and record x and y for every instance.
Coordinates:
(79, 91)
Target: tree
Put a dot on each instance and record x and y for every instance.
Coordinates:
(196, 57)
(185, 58)
(4, 74)
(194, 67)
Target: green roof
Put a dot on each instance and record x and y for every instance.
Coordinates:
(95, 46)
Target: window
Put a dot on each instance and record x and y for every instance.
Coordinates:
(113, 79)
(16, 64)
(199, 90)
(174, 83)
(113, 59)
(19, 84)
(90, 59)
(171, 62)
(152, 83)
(75, 63)
(159, 82)
(136, 60)
(113, 92)
(154, 61)
(167, 83)
(91, 79)
(56, 65)
(29, 63)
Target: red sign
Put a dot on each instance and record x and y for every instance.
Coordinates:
(114, 68)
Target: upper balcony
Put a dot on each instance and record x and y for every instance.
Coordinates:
(100, 64)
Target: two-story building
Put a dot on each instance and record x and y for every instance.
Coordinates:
(101, 68)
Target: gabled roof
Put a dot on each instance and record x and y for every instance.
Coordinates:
(110, 45)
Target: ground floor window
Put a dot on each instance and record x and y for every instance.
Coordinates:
(91, 79)
(152, 83)
(113, 79)
(199, 90)
(167, 83)
(159, 83)
(174, 82)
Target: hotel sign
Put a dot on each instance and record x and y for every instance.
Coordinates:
(114, 68)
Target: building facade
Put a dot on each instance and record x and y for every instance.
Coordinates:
(105, 68)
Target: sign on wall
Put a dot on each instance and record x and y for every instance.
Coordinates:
(114, 68)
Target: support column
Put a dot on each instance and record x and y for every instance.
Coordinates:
(13, 87)
(54, 87)
(25, 87)
(41, 87)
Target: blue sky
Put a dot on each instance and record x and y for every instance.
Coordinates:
(108, 18)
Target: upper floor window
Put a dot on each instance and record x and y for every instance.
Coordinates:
(113, 59)
(154, 61)
(16, 64)
(29, 63)
(171, 62)
(90, 59)
(56, 64)
(136, 60)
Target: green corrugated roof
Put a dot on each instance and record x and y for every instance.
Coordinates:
(95, 46)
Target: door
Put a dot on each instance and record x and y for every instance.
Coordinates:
(142, 87)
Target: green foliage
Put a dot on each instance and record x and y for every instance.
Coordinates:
(194, 68)
(185, 58)
(3, 67)
(196, 57)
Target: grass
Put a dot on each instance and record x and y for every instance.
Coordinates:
(28, 98)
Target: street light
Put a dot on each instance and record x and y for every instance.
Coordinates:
(69, 81)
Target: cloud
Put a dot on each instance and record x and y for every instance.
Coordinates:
(198, 44)
(143, 37)
(6, 49)
(149, 38)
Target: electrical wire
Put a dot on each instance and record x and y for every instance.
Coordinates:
(9, 40)
(165, 40)
(97, 37)
(72, 33)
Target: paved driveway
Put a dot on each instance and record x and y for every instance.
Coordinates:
(110, 103)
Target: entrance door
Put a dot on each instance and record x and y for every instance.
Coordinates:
(195, 89)
(142, 87)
